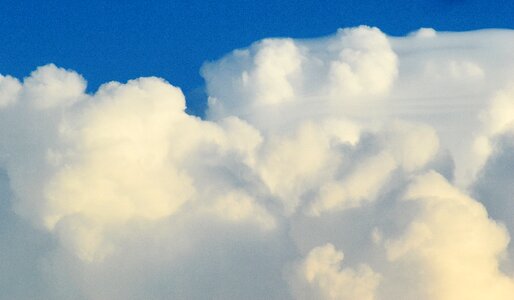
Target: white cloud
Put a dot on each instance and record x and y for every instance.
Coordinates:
(365, 63)
(283, 76)
(309, 148)
(320, 276)
(452, 245)
(50, 86)
(9, 89)
(362, 184)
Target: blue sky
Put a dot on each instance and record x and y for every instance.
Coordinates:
(120, 40)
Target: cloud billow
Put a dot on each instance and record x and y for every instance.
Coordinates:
(354, 166)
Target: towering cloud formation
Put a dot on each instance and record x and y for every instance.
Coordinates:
(356, 166)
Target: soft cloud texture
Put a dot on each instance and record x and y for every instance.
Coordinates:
(320, 277)
(355, 166)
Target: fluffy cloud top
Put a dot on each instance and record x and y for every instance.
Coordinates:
(390, 152)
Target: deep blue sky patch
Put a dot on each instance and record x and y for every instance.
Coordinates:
(120, 40)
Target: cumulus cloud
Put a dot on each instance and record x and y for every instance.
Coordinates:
(390, 152)
(9, 89)
(467, 267)
(319, 276)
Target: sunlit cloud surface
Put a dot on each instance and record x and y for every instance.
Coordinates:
(353, 166)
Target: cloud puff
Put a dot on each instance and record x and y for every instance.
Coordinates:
(284, 76)
(391, 150)
(9, 89)
(468, 266)
(319, 277)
